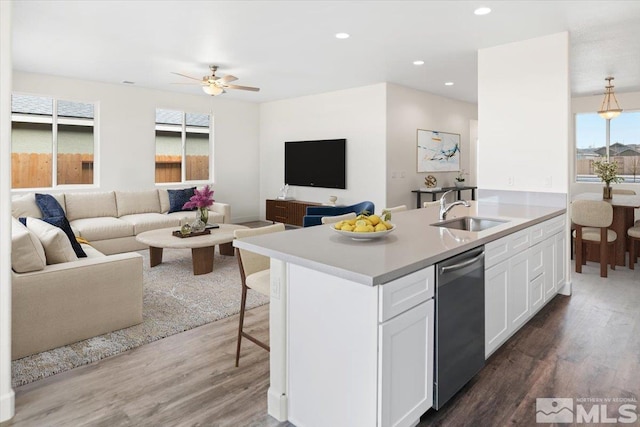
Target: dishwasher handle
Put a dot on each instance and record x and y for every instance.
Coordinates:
(463, 264)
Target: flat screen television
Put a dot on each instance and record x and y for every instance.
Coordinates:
(316, 163)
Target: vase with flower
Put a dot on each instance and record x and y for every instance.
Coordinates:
(608, 173)
(459, 180)
(201, 200)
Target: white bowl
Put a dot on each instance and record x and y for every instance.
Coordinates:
(364, 236)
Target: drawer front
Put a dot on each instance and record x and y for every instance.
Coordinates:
(536, 233)
(519, 241)
(406, 292)
(554, 225)
(496, 252)
(536, 261)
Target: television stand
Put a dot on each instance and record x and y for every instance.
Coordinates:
(287, 211)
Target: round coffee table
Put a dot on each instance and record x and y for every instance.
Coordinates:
(202, 247)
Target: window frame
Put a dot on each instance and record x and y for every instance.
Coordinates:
(55, 120)
(184, 129)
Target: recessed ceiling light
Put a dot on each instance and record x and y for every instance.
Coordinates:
(127, 82)
(482, 11)
(448, 84)
(342, 36)
(418, 62)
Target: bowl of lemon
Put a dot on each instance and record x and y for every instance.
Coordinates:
(364, 227)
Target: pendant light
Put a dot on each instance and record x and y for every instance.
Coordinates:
(606, 109)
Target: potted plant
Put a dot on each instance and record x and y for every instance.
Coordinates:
(201, 200)
(608, 173)
(459, 180)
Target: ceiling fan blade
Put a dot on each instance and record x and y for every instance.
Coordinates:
(189, 83)
(228, 78)
(253, 89)
(184, 75)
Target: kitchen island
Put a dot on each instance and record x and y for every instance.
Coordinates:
(351, 322)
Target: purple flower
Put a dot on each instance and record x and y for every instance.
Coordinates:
(200, 199)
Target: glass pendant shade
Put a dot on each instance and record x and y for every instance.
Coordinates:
(212, 90)
(609, 109)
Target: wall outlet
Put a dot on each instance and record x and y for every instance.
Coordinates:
(275, 288)
(547, 182)
(393, 175)
(510, 180)
(402, 174)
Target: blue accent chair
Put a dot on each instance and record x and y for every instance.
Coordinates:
(315, 213)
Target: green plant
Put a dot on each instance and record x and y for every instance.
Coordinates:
(607, 171)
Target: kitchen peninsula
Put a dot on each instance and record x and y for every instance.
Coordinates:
(352, 322)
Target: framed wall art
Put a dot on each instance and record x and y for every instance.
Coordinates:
(438, 151)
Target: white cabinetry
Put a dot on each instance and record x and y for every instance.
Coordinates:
(523, 271)
(365, 352)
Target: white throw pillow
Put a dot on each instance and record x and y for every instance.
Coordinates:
(27, 253)
(57, 247)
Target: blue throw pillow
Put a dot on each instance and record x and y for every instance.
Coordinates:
(48, 205)
(62, 223)
(177, 199)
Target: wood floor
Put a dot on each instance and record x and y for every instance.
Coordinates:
(584, 346)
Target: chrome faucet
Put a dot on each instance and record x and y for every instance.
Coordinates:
(444, 209)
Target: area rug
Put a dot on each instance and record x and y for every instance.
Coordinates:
(174, 301)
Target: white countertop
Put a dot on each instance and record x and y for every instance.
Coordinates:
(413, 245)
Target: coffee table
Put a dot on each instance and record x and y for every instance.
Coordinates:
(202, 247)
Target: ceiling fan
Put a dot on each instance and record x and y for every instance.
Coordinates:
(214, 85)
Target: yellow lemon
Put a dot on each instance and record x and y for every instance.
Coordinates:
(361, 223)
(351, 222)
(370, 228)
(361, 229)
(347, 227)
(338, 225)
(387, 224)
(374, 219)
(380, 227)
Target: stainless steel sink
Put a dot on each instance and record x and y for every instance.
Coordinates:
(470, 223)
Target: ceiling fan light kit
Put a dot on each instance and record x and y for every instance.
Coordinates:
(214, 85)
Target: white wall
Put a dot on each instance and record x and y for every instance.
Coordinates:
(591, 104)
(523, 115)
(407, 111)
(355, 114)
(127, 135)
(6, 392)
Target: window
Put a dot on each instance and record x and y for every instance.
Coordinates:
(624, 145)
(182, 146)
(52, 142)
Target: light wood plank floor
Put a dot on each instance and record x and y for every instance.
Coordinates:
(584, 346)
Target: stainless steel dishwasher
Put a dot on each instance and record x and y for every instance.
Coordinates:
(459, 323)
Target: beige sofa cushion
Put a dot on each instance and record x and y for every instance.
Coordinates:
(91, 205)
(137, 202)
(151, 221)
(27, 253)
(91, 251)
(102, 228)
(25, 205)
(56, 244)
(163, 195)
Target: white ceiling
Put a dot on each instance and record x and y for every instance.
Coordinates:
(288, 48)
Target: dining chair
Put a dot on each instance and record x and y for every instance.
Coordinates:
(337, 218)
(254, 274)
(400, 208)
(591, 219)
(634, 237)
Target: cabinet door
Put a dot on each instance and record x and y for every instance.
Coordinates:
(496, 325)
(536, 293)
(518, 301)
(559, 259)
(548, 257)
(405, 367)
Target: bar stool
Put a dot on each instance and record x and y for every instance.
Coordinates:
(591, 219)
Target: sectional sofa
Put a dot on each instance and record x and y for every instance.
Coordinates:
(60, 301)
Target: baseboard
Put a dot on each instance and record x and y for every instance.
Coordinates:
(277, 405)
(7, 405)
(566, 289)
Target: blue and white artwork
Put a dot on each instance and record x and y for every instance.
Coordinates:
(438, 151)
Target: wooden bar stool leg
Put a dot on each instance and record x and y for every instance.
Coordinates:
(613, 252)
(604, 252)
(632, 253)
(579, 252)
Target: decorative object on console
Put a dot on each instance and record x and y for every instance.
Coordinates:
(332, 200)
(284, 190)
(459, 180)
(430, 181)
(608, 173)
(438, 151)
